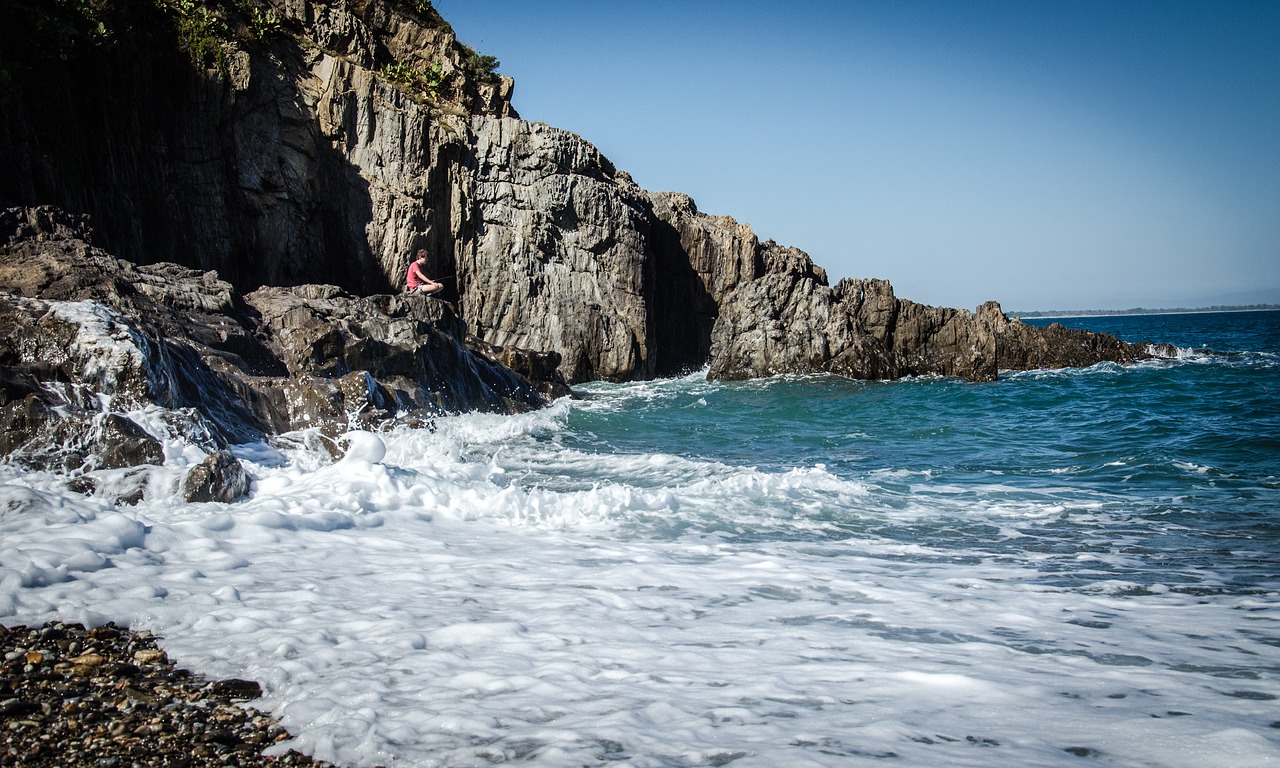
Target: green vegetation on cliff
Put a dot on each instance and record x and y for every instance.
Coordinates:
(40, 38)
(202, 33)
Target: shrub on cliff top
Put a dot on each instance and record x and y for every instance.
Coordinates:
(485, 64)
(200, 32)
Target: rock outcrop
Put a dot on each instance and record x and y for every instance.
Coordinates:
(558, 257)
(748, 309)
(326, 148)
(89, 339)
(792, 323)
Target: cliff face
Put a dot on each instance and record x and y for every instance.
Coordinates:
(328, 146)
(291, 158)
(558, 253)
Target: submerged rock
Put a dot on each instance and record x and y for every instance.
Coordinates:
(122, 443)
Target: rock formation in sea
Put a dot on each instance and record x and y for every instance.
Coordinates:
(260, 173)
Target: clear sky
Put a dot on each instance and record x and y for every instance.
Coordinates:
(1049, 154)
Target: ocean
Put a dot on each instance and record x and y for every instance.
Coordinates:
(800, 571)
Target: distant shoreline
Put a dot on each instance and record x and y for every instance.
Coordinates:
(1070, 313)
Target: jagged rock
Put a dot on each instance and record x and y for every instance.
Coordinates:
(122, 443)
(1021, 347)
(21, 419)
(380, 353)
(77, 352)
(784, 323)
(220, 477)
(20, 382)
(38, 437)
(558, 260)
(97, 336)
(540, 368)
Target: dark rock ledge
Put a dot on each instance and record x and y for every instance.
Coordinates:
(86, 338)
(110, 698)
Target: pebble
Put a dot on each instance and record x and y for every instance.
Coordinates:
(107, 697)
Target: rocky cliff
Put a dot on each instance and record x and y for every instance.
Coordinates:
(288, 143)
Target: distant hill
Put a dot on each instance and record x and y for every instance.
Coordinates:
(1144, 311)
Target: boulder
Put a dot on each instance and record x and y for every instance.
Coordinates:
(120, 443)
(220, 477)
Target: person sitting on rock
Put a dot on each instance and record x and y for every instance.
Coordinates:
(418, 280)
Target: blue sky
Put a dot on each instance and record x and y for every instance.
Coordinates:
(1048, 154)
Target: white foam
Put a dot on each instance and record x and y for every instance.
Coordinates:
(480, 593)
(104, 342)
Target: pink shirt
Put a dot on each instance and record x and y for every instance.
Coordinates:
(416, 278)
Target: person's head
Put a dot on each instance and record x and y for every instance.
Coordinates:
(422, 255)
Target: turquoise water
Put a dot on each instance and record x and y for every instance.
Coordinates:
(1180, 454)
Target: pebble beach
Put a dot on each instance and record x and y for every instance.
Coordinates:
(109, 697)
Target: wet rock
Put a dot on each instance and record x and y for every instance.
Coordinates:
(540, 368)
(234, 688)
(150, 656)
(220, 477)
(120, 488)
(39, 438)
(84, 325)
(19, 383)
(352, 356)
(1020, 346)
(21, 420)
(122, 443)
